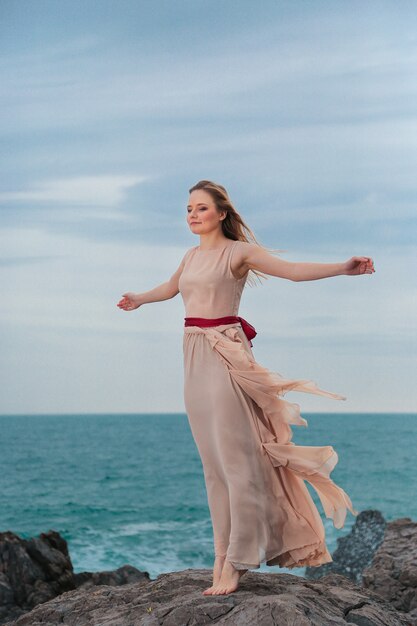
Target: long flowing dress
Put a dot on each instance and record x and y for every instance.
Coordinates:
(260, 507)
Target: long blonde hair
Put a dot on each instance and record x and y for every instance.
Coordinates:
(233, 226)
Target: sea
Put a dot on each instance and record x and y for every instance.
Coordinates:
(129, 489)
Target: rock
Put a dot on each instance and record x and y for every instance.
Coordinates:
(176, 599)
(35, 570)
(393, 572)
(382, 557)
(373, 582)
(356, 550)
(122, 576)
(32, 571)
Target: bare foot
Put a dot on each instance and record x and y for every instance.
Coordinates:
(217, 572)
(229, 580)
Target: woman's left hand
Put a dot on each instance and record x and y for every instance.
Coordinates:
(359, 265)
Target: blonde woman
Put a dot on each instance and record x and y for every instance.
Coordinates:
(260, 507)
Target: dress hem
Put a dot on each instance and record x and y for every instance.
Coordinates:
(315, 558)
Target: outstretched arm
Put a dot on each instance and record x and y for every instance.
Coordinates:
(167, 290)
(257, 258)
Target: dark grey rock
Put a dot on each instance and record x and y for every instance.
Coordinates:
(377, 587)
(393, 572)
(35, 570)
(176, 599)
(122, 576)
(356, 550)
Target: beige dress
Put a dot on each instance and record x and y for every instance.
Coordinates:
(261, 509)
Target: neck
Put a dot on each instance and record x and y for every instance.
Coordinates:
(209, 243)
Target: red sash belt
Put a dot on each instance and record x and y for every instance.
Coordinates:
(247, 328)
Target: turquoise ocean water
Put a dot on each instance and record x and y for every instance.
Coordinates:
(130, 488)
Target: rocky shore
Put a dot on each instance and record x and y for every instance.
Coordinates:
(372, 581)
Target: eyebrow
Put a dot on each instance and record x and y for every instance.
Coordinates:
(199, 204)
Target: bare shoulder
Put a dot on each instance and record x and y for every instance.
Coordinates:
(241, 253)
(245, 246)
(243, 250)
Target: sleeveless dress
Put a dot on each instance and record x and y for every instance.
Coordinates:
(260, 507)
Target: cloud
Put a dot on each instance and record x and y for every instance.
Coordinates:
(107, 191)
(295, 78)
(307, 116)
(14, 261)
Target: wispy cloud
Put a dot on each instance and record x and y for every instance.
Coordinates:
(14, 261)
(107, 191)
(305, 113)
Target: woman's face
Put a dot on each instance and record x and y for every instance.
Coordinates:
(202, 215)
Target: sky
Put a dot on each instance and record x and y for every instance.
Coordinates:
(111, 110)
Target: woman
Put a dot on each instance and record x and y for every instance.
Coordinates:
(261, 509)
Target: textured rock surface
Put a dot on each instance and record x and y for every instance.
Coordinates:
(176, 599)
(37, 569)
(381, 557)
(356, 550)
(122, 576)
(393, 572)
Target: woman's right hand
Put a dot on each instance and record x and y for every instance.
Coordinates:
(130, 301)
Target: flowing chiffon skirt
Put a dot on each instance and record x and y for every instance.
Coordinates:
(260, 507)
